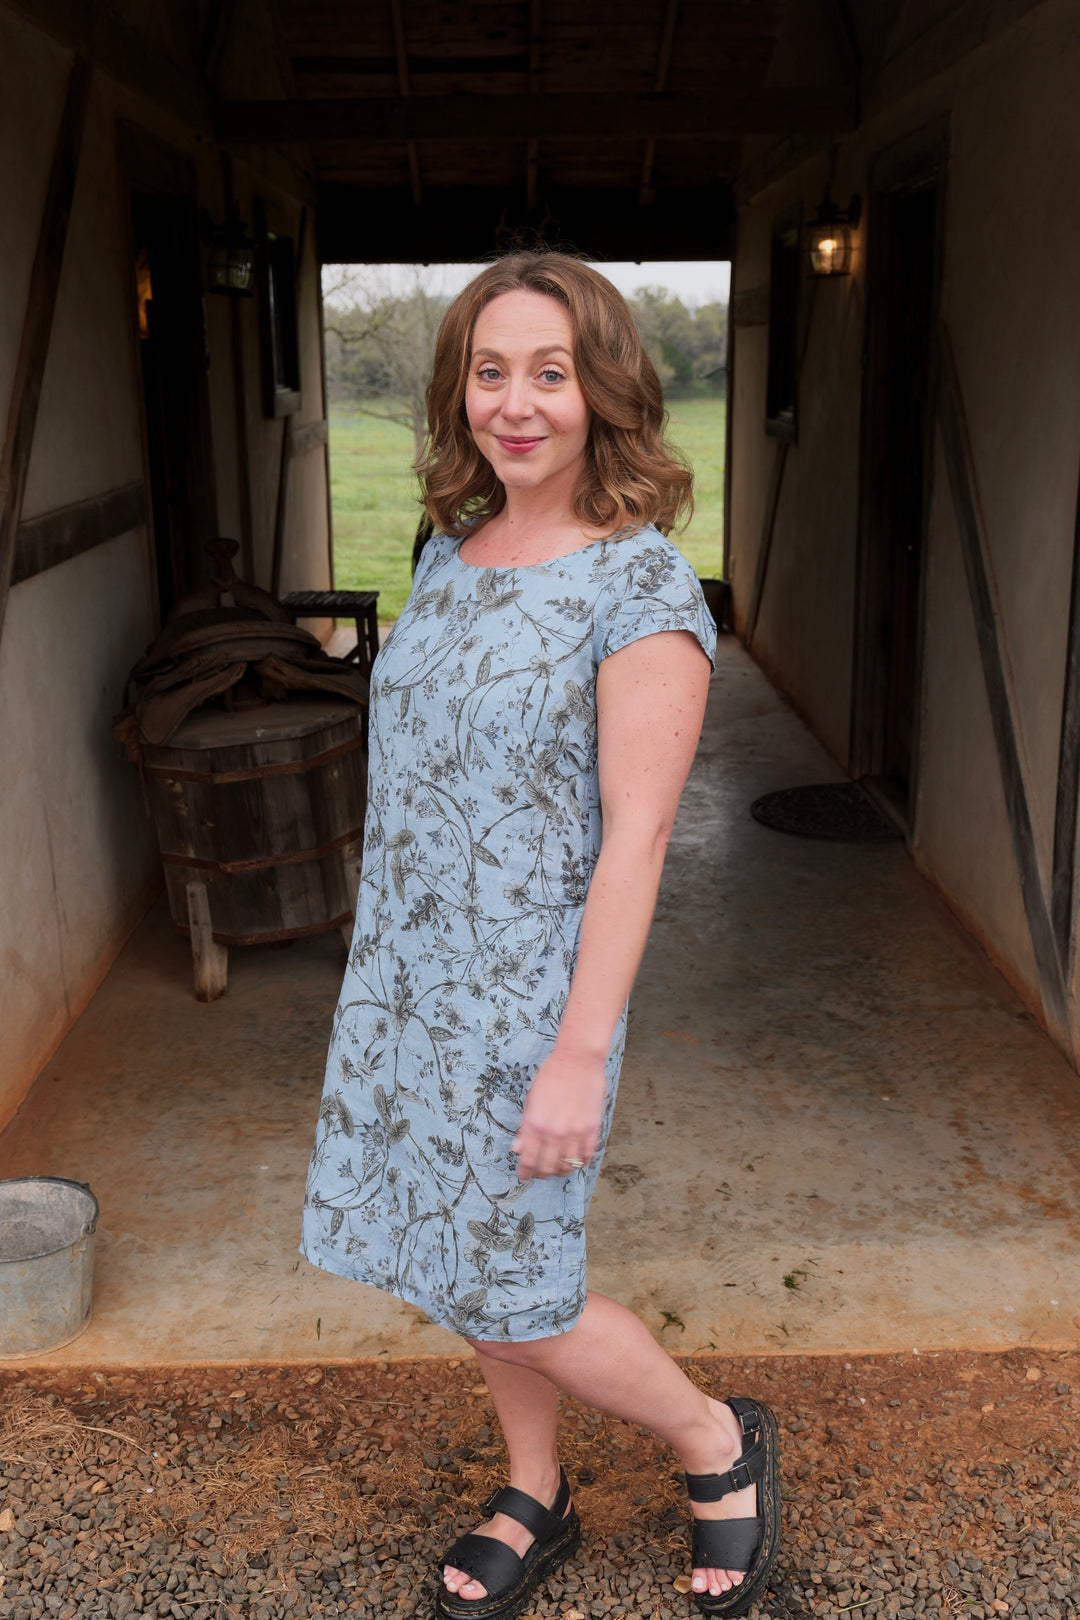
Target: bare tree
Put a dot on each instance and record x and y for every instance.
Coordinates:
(381, 342)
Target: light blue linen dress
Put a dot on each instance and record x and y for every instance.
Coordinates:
(483, 827)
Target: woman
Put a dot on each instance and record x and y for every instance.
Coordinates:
(534, 714)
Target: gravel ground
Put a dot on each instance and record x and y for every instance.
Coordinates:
(937, 1484)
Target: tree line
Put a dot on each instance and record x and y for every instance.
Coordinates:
(380, 343)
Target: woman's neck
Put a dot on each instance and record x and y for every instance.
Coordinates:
(535, 525)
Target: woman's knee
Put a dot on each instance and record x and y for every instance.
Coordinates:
(523, 1354)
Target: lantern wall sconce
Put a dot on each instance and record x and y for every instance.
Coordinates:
(829, 237)
(230, 264)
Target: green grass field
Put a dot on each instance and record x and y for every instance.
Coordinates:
(376, 511)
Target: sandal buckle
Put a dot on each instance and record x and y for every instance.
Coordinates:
(740, 1476)
(489, 1505)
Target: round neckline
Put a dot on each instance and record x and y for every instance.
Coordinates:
(524, 568)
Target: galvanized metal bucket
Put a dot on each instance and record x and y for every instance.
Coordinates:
(47, 1227)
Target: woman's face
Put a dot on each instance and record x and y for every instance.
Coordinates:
(525, 407)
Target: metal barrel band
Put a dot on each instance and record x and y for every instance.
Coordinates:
(261, 863)
(253, 773)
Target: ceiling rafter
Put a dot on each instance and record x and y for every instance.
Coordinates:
(647, 194)
(532, 150)
(765, 111)
(402, 59)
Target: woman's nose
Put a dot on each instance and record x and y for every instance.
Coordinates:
(517, 400)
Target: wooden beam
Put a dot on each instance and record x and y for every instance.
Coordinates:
(646, 195)
(54, 537)
(959, 466)
(33, 352)
(1063, 883)
(565, 117)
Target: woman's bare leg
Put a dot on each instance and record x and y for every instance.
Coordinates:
(610, 1360)
(527, 1405)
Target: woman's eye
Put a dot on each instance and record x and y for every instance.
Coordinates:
(551, 375)
(488, 373)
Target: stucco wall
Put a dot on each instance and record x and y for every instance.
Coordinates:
(78, 861)
(1011, 268)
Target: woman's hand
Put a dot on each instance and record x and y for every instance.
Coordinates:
(562, 1115)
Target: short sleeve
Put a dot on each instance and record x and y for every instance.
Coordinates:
(652, 588)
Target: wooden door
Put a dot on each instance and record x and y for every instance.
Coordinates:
(902, 312)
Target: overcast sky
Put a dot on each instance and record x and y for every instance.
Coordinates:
(695, 282)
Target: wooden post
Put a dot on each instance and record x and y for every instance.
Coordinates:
(38, 319)
(209, 959)
(1068, 780)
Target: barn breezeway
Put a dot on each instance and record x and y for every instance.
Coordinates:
(839, 1128)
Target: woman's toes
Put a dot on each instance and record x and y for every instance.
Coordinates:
(462, 1585)
(715, 1581)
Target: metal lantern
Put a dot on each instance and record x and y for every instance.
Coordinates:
(230, 266)
(829, 236)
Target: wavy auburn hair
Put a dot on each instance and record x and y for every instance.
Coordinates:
(632, 476)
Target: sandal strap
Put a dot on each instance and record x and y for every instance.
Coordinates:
(489, 1561)
(540, 1521)
(726, 1543)
(748, 1470)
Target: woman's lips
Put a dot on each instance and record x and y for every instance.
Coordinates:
(519, 447)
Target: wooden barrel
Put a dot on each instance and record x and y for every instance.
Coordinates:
(266, 808)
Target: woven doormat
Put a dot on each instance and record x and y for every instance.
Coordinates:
(841, 811)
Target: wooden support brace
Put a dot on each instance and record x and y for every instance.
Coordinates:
(960, 469)
(209, 959)
(1067, 800)
(18, 438)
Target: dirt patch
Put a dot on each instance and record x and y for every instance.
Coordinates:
(938, 1484)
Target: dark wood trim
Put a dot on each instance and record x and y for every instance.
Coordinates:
(240, 411)
(959, 465)
(281, 509)
(768, 527)
(1063, 883)
(38, 319)
(326, 406)
(122, 54)
(729, 440)
(308, 437)
(784, 445)
(54, 537)
(562, 117)
(919, 159)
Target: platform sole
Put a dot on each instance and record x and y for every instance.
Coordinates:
(736, 1601)
(506, 1605)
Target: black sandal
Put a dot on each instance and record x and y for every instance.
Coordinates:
(510, 1580)
(749, 1545)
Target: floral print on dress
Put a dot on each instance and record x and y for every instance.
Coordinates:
(482, 830)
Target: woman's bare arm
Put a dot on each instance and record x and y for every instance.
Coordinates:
(650, 701)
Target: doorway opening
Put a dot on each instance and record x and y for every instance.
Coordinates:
(172, 351)
(903, 277)
(380, 324)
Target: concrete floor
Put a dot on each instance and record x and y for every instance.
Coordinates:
(839, 1129)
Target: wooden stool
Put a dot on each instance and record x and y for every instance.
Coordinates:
(359, 606)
